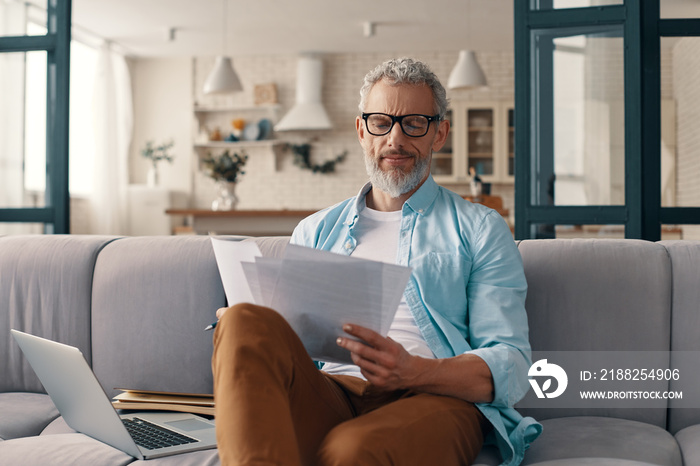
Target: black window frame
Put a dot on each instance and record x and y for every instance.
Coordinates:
(642, 214)
(55, 215)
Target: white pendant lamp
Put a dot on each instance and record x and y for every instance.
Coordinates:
(308, 111)
(467, 73)
(223, 78)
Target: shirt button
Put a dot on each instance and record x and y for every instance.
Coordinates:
(420, 211)
(348, 245)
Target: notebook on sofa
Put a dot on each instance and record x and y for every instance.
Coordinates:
(84, 405)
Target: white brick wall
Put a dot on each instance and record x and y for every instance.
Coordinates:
(263, 187)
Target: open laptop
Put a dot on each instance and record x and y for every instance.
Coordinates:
(84, 405)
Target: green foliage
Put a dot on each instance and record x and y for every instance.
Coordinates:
(302, 158)
(225, 167)
(157, 153)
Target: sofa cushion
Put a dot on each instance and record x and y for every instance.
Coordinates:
(594, 462)
(604, 438)
(25, 414)
(153, 297)
(488, 456)
(196, 458)
(45, 288)
(203, 458)
(598, 295)
(61, 449)
(689, 441)
(685, 260)
(58, 426)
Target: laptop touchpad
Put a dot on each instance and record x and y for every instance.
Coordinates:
(189, 425)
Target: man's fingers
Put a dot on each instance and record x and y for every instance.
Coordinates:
(368, 353)
(365, 334)
(220, 312)
(368, 367)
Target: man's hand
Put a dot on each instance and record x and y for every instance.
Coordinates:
(387, 365)
(383, 362)
(220, 312)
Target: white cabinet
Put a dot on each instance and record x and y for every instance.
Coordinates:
(481, 136)
(147, 206)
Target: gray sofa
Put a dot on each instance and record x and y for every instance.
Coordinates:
(137, 307)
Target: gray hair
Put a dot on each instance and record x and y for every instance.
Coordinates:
(406, 71)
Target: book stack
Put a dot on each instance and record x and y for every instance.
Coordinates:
(144, 400)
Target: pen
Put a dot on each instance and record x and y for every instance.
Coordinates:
(212, 326)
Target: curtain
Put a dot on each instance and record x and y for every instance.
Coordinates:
(113, 122)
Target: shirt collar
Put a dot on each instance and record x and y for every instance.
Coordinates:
(358, 205)
(419, 202)
(424, 197)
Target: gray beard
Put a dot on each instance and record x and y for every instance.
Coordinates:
(395, 182)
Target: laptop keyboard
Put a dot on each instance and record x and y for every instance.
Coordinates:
(152, 436)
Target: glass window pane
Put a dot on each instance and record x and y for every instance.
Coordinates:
(16, 18)
(680, 135)
(668, 232)
(579, 231)
(689, 232)
(21, 228)
(23, 125)
(674, 9)
(579, 146)
(562, 4)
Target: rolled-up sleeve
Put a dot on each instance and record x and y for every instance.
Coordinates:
(497, 322)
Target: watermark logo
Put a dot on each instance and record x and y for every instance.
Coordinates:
(544, 370)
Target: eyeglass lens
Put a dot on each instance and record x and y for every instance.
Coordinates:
(413, 125)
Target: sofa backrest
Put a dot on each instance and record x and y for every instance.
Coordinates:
(598, 295)
(137, 307)
(45, 290)
(153, 297)
(685, 331)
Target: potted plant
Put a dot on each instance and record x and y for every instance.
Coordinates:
(155, 154)
(225, 169)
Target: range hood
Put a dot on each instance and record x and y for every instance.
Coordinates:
(308, 111)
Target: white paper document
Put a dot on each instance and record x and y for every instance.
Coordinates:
(229, 257)
(316, 291)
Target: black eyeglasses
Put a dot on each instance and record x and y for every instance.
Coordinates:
(413, 125)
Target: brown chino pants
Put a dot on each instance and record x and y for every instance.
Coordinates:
(273, 407)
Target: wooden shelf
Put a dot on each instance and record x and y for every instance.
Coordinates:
(252, 108)
(240, 213)
(231, 144)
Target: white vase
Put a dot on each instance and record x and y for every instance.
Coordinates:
(227, 199)
(152, 176)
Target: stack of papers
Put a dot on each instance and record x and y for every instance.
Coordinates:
(316, 291)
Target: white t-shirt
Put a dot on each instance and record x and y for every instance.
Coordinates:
(377, 235)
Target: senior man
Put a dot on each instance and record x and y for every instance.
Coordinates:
(455, 361)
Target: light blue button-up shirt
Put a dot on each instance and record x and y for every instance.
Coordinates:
(466, 292)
